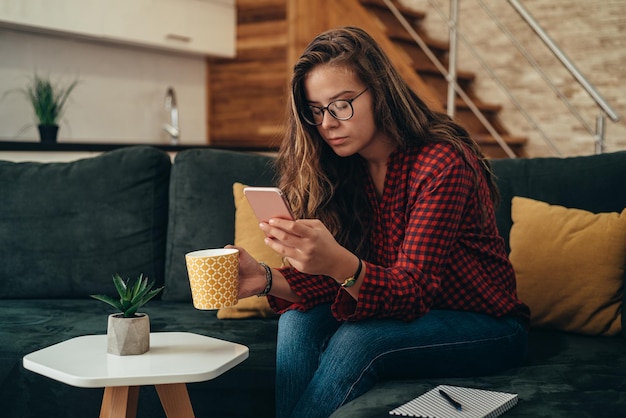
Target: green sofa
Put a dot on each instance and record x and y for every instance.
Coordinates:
(65, 228)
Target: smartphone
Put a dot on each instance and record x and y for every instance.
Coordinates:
(268, 202)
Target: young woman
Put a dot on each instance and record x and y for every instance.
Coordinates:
(396, 268)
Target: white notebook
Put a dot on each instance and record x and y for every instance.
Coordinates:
(475, 403)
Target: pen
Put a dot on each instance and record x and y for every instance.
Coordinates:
(452, 402)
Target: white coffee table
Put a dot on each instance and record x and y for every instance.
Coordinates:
(174, 359)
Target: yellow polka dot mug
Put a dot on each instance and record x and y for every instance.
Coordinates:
(213, 277)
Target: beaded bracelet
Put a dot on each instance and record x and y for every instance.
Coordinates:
(268, 279)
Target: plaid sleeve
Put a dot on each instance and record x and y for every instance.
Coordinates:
(312, 290)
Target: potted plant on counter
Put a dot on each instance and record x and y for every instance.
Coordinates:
(128, 332)
(48, 101)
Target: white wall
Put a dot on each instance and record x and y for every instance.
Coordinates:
(120, 95)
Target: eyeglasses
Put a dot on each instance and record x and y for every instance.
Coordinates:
(339, 109)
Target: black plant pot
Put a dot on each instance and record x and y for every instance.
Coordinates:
(48, 133)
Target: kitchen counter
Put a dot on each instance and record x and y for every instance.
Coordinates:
(22, 151)
(103, 146)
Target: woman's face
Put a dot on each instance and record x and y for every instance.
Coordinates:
(326, 83)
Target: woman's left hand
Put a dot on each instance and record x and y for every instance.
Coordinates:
(307, 244)
(251, 274)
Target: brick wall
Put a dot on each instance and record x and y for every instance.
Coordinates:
(589, 32)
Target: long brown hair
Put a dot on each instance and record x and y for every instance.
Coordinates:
(318, 183)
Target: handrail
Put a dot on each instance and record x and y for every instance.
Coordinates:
(452, 54)
(567, 63)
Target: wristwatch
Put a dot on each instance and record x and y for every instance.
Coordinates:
(350, 281)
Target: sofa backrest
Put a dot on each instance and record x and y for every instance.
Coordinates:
(596, 183)
(66, 228)
(202, 209)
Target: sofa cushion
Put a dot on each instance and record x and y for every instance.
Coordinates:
(68, 227)
(569, 265)
(202, 211)
(249, 236)
(594, 183)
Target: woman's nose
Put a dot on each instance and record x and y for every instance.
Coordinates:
(328, 121)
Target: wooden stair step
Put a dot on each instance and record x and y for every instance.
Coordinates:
(402, 37)
(492, 149)
(511, 141)
(482, 106)
(466, 118)
(390, 22)
(406, 12)
(439, 84)
(461, 75)
(418, 57)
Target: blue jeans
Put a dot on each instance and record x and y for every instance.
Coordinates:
(321, 364)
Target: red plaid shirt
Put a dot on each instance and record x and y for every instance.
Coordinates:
(430, 247)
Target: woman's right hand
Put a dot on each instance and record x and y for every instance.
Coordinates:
(309, 247)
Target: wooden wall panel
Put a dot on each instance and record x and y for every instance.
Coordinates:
(247, 95)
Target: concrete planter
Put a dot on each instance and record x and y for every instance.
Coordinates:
(128, 336)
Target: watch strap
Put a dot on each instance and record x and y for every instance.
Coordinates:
(350, 281)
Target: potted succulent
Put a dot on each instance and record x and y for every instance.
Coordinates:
(48, 101)
(128, 332)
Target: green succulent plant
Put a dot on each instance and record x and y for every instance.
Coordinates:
(47, 99)
(132, 297)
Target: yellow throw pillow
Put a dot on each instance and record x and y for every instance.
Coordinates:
(249, 236)
(569, 265)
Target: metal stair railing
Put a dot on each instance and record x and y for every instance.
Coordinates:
(606, 109)
(451, 78)
(487, 68)
(453, 87)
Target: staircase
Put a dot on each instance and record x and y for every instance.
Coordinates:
(429, 73)
(247, 98)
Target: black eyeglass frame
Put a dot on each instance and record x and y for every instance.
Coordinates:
(322, 109)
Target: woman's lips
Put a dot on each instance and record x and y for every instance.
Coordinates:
(336, 141)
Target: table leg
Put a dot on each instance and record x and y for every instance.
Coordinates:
(175, 400)
(119, 402)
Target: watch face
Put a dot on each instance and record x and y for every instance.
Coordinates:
(350, 281)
